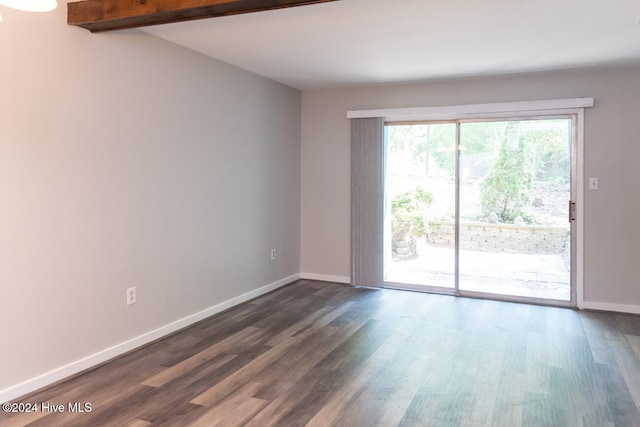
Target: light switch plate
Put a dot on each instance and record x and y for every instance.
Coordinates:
(593, 184)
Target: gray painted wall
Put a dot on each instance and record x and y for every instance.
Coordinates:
(612, 153)
(129, 161)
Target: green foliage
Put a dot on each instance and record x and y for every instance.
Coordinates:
(505, 190)
(439, 143)
(423, 197)
(546, 141)
(505, 157)
(550, 148)
(407, 212)
(423, 141)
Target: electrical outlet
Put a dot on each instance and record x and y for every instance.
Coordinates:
(131, 296)
(273, 254)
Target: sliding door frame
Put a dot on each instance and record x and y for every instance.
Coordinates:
(553, 107)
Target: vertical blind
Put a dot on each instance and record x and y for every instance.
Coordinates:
(367, 201)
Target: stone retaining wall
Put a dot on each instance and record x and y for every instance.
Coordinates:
(502, 237)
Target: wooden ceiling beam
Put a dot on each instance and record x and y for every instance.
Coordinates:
(109, 15)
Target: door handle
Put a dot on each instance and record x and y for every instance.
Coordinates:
(572, 211)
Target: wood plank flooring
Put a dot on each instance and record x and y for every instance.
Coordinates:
(322, 354)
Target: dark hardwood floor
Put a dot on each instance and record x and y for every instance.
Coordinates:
(321, 354)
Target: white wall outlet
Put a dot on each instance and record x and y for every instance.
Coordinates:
(132, 297)
(273, 254)
(593, 184)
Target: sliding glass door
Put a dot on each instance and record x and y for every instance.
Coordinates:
(420, 203)
(481, 207)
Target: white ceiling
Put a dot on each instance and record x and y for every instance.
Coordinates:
(353, 42)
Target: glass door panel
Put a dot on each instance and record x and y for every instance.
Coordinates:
(420, 205)
(515, 188)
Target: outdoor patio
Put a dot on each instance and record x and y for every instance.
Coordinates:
(528, 275)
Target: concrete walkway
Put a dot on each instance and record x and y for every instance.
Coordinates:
(529, 275)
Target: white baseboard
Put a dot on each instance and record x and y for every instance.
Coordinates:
(325, 278)
(73, 368)
(80, 365)
(605, 306)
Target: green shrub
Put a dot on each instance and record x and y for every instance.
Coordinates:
(407, 212)
(505, 189)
